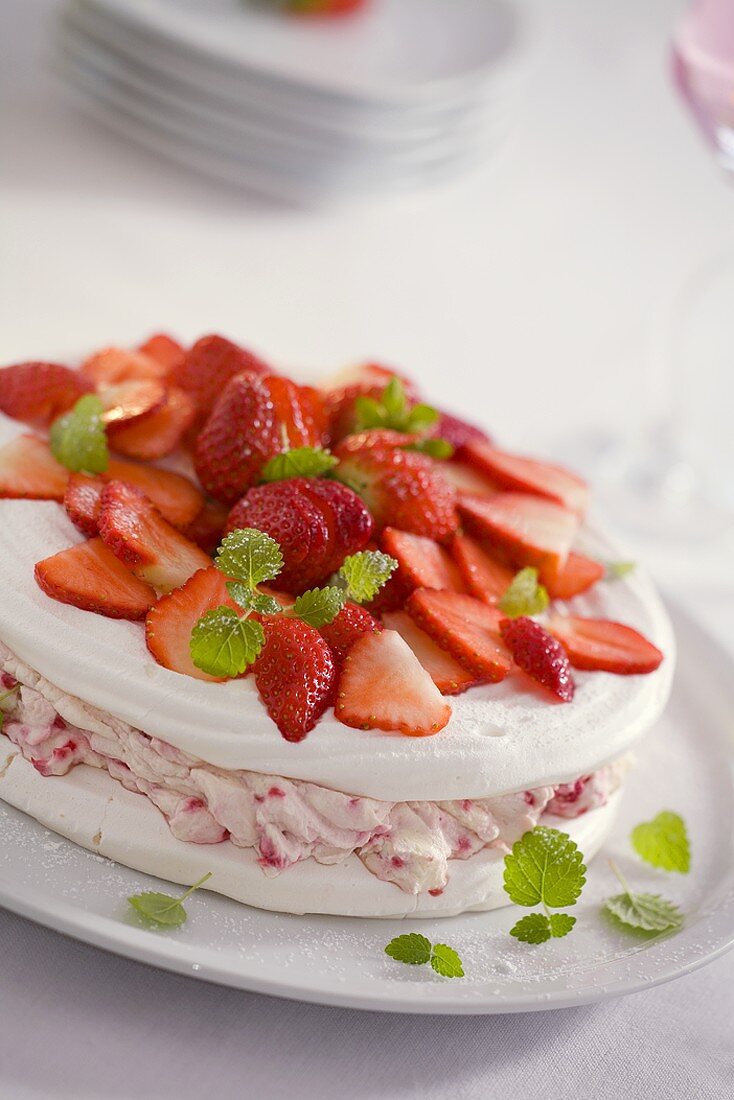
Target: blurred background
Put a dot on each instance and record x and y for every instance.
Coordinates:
(524, 205)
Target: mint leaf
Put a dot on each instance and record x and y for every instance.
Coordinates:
(534, 928)
(446, 962)
(643, 912)
(250, 556)
(544, 867)
(319, 606)
(524, 595)
(223, 644)
(561, 924)
(434, 448)
(250, 600)
(411, 948)
(163, 908)
(394, 400)
(420, 418)
(78, 439)
(300, 462)
(392, 410)
(618, 569)
(365, 573)
(663, 842)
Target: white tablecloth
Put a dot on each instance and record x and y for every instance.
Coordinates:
(527, 289)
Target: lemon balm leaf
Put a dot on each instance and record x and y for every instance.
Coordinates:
(545, 867)
(446, 962)
(164, 909)
(78, 440)
(365, 573)
(524, 595)
(249, 556)
(300, 462)
(319, 606)
(224, 644)
(410, 948)
(663, 842)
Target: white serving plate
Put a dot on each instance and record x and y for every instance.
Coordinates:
(686, 765)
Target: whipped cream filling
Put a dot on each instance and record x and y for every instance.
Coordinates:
(285, 820)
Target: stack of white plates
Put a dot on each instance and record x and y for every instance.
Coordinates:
(401, 93)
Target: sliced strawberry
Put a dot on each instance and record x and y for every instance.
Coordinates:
(160, 433)
(484, 576)
(598, 644)
(295, 675)
(424, 564)
(540, 655)
(392, 596)
(376, 439)
(29, 471)
(466, 627)
(530, 530)
(175, 496)
(169, 623)
(207, 367)
(526, 475)
(348, 521)
(384, 686)
(83, 500)
(207, 528)
(129, 403)
(112, 365)
(89, 576)
(448, 675)
(39, 392)
(350, 624)
(164, 349)
(138, 535)
(466, 479)
(577, 576)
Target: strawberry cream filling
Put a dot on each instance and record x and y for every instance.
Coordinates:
(283, 820)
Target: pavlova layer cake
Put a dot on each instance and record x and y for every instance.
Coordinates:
(342, 651)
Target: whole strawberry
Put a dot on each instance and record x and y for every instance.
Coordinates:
(255, 418)
(350, 624)
(295, 675)
(39, 392)
(368, 380)
(206, 368)
(540, 655)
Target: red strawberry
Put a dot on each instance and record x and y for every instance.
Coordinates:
(448, 675)
(393, 594)
(466, 479)
(423, 563)
(525, 475)
(254, 419)
(175, 496)
(112, 365)
(316, 524)
(401, 489)
(128, 403)
(484, 577)
(466, 627)
(342, 632)
(376, 439)
(529, 530)
(169, 623)
(83, 500)
(29, 471)
(39, 392)
(578, 575)
(207, 528)
(89, 576)
(457, 432)
(164, 349)
(295, 675)
(597, 644)
(208, 366)
(538, 654)
(159, 433)
(384, 686)
(137, 533)
(368, 380)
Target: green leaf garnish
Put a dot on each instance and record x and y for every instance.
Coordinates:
(78, 440)
(163, 908)
(618, 569)
(300, 462)
(539, 927)
(365, 573)
(544, 868)
(319, 606)
(663, 842)
(392, 410)
(434, 448)
(225, 644)
(416, 950)
(524, 595)
(250, 556)
(251, 600)
(641, 913)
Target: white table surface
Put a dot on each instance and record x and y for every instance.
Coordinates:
(525, 290)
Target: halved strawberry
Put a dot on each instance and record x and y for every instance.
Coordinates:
(164, 349)
(138, 535)
(526, 475)
(174, 495)
(601, 645)
(169, 623)
(350, 624)
(112, 365)
(529, 530)
(128, 403)
(90, 577)
(448, 675)
(82, 501)
(577, 576)
(484, 576)
(384, 686)
(466, 627)
(39, 392)
(29, 471)
(466, 479)
(295, 675)
(540, 655)
(160, 433)
(207, 367)
(423, 563)
(207, 528)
